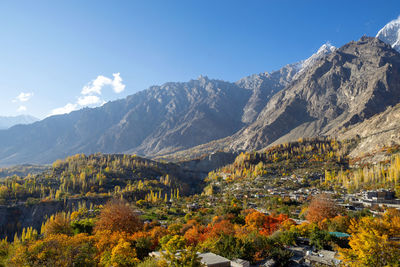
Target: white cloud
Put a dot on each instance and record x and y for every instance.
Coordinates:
(22, 108)
(95, 86)
(23, 97)
(65, 109)
(91, 92)
(88, 100)
(117, 84)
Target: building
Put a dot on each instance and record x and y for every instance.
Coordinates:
(322, 258)
(208, 259)
(379, 195)
(213, 260)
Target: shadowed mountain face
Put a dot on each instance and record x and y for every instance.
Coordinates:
(351, 84)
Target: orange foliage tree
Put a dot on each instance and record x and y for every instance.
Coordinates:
(265, 224)
(322, 207)
(118, 216)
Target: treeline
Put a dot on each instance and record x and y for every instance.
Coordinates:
(126, 176)
(381, 175)
(312, 153)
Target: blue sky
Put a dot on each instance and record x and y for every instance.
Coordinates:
(51, 50)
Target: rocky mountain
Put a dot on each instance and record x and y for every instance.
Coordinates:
(351, 84)
(7, 122)
(390, 34)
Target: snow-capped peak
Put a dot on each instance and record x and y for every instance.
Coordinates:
(390, 34)
(324, 50)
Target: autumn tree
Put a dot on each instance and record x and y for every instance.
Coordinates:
(322, 207)
(373, 242)
(55, 250)
(118, 216)
(177, 254)
(58, 224)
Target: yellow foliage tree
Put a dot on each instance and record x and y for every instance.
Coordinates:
(373, 242)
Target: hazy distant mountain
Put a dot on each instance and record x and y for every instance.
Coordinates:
(351, 84)
(7, 122)
(390, 34)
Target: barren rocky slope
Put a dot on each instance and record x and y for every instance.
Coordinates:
(381, 130)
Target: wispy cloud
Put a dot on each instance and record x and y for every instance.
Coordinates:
(91, 94)
(22, 108)
(95, 86)
(23, 97)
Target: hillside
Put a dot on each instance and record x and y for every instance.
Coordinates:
(99, 175)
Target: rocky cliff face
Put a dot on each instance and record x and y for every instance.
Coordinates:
(353, 83)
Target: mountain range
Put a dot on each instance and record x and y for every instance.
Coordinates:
(327, 94)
